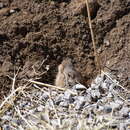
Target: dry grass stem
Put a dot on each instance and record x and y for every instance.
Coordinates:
(14, 79)
(47, 85)
(116, 93)
(27, 112)
(115, 82)
(9, 97)
(97, 58)
(36, 100)
(20, 115)
(51, 86)
(55, 111)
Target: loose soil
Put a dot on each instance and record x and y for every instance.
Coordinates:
(37, 36)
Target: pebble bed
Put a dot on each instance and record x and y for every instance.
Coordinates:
(104, 105)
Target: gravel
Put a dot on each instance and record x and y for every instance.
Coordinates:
(99, 106)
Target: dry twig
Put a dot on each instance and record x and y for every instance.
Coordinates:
(97, 59)
(19, 113)
(51, 86)
(115, 82)
(10, 96)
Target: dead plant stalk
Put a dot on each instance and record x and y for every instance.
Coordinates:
(97, 59)
(52, 86)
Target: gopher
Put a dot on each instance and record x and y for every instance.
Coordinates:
(67, 75)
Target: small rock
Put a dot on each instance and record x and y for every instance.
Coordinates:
(90, 120)
(67, 95)
(55, 122)
(105, 86)
(6, 127)
(104, 100)
(88, 98)
(59, 99)
(88, 90)
(14, 10)
(129, 114)
(122, 126)
(80, 87)
(124, 112)
(107, 43)
(98, 80)
(107, 109)
(54, 93)
(45, 95)
(38, 93)
(100, 108)
(32, 111)
(115, 106)
(24, 104)
(9, 113)
(80, 102)
(111, 87)
(40, 108)
(110, 95)
(95, 86)
(64, 104)
(8, 118)
(16, 121)
(120, 102)
(95, 94)
(50, 104)
(45, 116)
(113, 126)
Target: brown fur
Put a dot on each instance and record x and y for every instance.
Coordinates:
(67, 76)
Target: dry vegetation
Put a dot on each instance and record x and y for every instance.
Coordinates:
(33, 105)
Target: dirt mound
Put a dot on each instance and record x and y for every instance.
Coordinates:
(37, 36)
